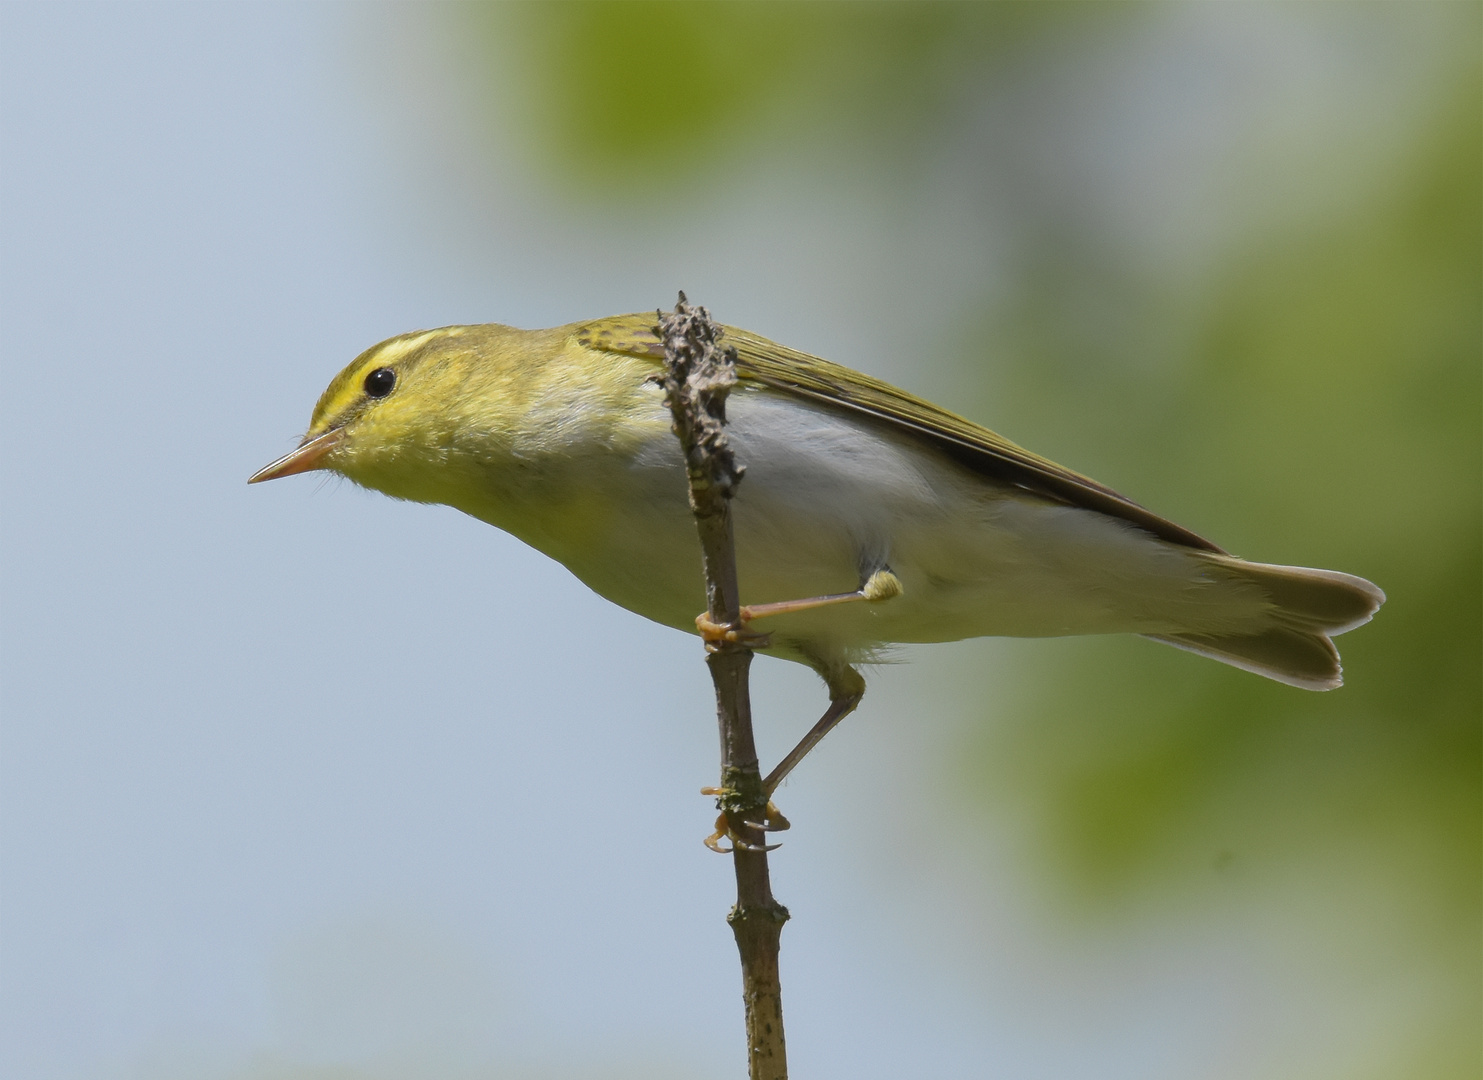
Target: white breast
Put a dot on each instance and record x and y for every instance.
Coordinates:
(828, 498)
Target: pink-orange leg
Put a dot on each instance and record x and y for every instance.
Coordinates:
(846, 689)
(881, 585)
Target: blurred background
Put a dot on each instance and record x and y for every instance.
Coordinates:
(299, 782)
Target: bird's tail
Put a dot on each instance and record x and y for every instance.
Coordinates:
(1307, 609)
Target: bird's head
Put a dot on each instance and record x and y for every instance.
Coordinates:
(392, 419)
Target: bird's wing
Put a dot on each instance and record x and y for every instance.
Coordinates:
(770, 364)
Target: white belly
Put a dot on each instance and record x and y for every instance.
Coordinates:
(826, 500)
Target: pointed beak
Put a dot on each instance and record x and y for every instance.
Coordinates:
(308, 456)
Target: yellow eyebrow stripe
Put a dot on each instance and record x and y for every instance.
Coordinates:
(346, 387)
(396, 348)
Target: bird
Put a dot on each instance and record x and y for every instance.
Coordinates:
(868, 518)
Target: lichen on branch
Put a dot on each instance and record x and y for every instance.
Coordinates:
(698, 376)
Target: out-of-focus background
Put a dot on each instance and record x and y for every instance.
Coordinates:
(301, 782)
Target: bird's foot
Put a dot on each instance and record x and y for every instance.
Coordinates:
(724, 831)
(737, 633)
(772, 821)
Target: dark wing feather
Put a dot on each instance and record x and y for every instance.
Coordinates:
(770, 364)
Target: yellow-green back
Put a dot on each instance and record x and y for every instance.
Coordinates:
(762, 361)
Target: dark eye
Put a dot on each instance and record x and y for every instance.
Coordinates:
(380, 382)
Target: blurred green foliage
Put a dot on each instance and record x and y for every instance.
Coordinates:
(1327, 414)
(601, 80)
(1323, 409)
(1333, 389)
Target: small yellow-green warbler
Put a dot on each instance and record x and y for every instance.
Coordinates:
(561, 438)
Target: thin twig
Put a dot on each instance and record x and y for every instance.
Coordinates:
(699, 374)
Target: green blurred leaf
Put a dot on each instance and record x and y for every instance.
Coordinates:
(638, 96)
(1329, 415)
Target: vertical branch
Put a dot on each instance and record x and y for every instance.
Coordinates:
(699, 374)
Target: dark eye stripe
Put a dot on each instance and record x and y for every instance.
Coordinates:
(380, 382)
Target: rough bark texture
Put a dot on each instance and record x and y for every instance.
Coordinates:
(699, 374)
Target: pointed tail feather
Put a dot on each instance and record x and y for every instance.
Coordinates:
(1325, 601)
(1308, 607)
(1309, 661)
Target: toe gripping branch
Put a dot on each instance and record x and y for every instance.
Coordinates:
(733, 805)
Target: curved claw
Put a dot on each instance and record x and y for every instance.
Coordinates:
(772, 820)
(723, 832)
(742, 846)
(714, 842)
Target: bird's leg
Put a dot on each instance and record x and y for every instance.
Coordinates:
(842, 702)
(881, 585)
(846, 689)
